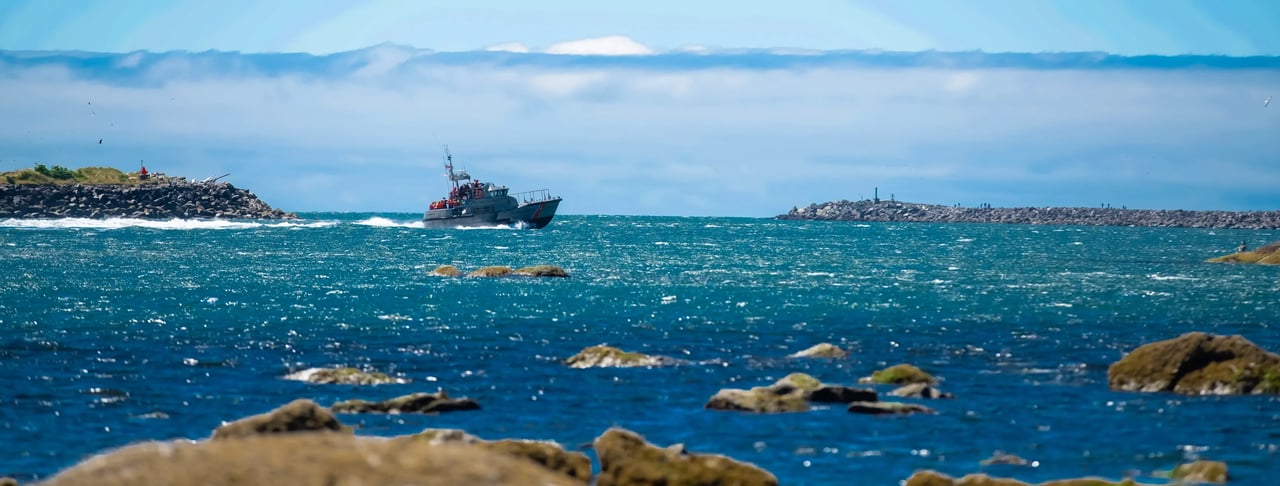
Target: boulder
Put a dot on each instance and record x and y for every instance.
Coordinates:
(305, 459)
(821, 350)
(627, 459)
(602, 356)
(889, 408)
(763, 399)
(899, 375)
(446, 271)
(297, 416)
(920, 390)
(789, 394)
(1001, 457)
(542, 271)
(342, 376)
(491, 272)
(1197, 363)
(1200, 472)
(934, 478)
(550, 455)
(412, 403)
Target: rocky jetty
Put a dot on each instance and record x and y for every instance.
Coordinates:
(174, 198)
(896, 211)
(1197, 363)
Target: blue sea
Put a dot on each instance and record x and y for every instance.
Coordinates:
(121, 331)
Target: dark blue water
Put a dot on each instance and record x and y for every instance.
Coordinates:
(116, 332)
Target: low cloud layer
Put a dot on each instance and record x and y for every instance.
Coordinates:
(692, 132)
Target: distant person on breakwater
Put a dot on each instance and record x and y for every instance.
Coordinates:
(1243, 246)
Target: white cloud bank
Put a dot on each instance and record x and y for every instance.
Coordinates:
(708, 133)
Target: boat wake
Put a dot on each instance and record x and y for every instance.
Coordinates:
(380, 222)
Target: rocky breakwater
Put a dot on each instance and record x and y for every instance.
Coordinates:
(896, 211)
(168, 200)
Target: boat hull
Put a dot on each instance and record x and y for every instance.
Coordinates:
(535, 214)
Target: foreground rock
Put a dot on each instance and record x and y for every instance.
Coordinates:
(413, 403)
(174, 199)
(1200, 472)
(1197, 363)
(627, 459)
(902, 374)
(886, 211)
(305, 459)
(296, 416)
(602, 356)
(821, 350)
(792, 393)
(550, 455)
(342, 376)
(1269, 255)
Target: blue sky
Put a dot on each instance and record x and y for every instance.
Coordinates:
(714, 108)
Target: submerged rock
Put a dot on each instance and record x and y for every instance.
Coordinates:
(602, 356)
(342, 376)
(627, 459)
(920, 390)
(889, 408)
(899, 375)
(821, 350)
(412, 403)
(308, 459)
(297, 416)
(1197, 363)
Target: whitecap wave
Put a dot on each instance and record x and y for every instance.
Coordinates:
(1156, 276)
(381, 222)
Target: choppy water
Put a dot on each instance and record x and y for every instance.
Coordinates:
(119, 331)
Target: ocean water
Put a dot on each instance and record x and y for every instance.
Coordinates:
(118, 331)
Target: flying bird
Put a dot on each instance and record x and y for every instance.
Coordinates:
(99, 141)
(1266, 102)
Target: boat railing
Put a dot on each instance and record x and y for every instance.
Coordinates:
(533, 196)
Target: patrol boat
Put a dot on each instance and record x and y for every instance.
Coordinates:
(473, 203)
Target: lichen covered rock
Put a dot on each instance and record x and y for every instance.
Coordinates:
(1269, 255)
(1200, 472)
(494, 271)
(627, 459)
(550, 455)
(1197, 363)
(792, 393)
(602, 356)
(899, 375)
(920, 390)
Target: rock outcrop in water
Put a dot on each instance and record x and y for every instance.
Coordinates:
(627, 459)
(412, 403)
(894, 211)
(792, 393)
(1269, 255)
(902, 374)
(342, 376)
(602, 356)
(176, 198)
(1197, 363)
